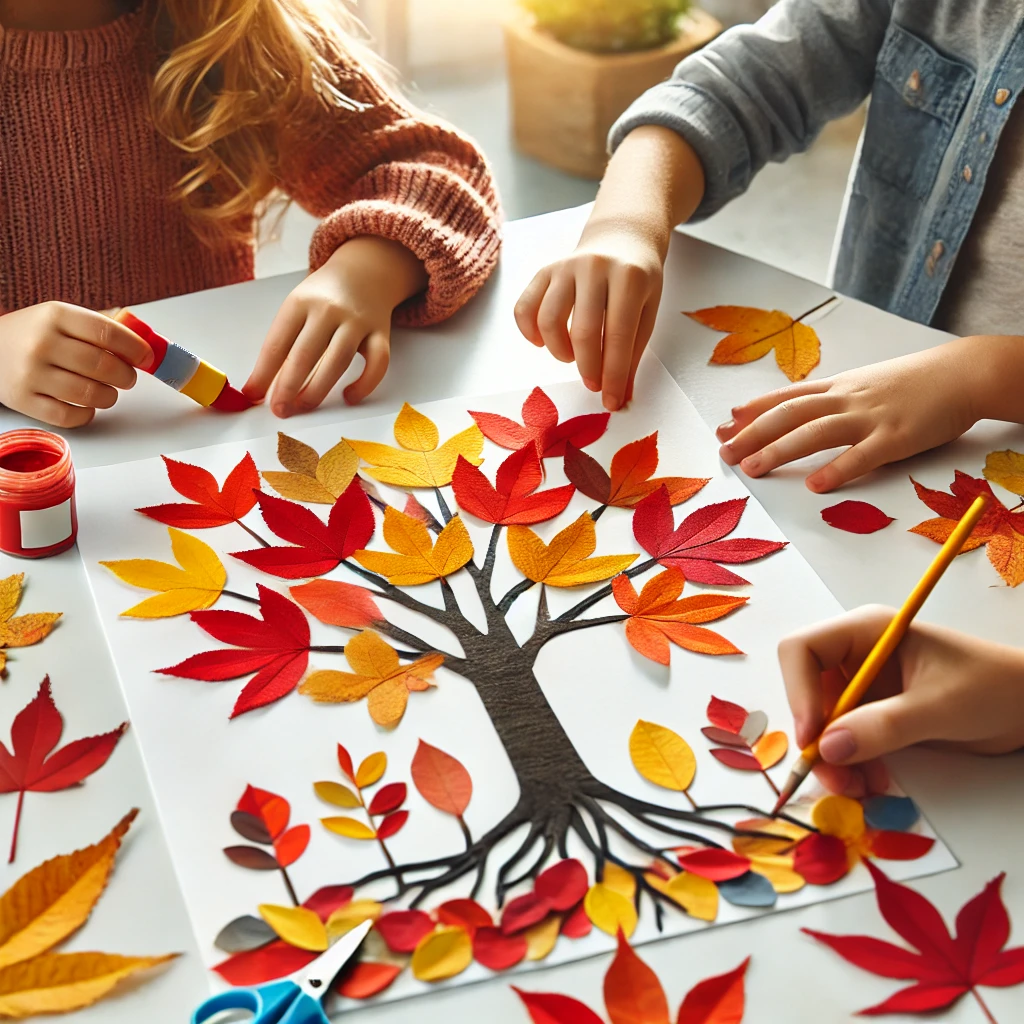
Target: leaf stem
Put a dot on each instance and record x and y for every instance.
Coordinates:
(252, 533)
(768, 778)
(17, 826)
(984, 1007)
(598, 512)
(339, 649)
(240, 597)
(465, 831)
(600, 595)
(288, 885)
(820, 305)
(446, 512)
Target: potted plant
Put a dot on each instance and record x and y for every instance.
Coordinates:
(575, 65)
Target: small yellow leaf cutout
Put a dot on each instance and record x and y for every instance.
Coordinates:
(23, 630)
(350, 828)
(770, 749)
(298, 926)
(195, 583)
(371, 769)
(1006, 468)
(566, 561)
(619, 880)
(779, 871)
(418, 559)
(697, 896)
(609, 910)
(336, 794)
(662, 756)
(419, 462)
(347, 917)
(839, 816)
(442, 954)
(312, 478)
(541, 937)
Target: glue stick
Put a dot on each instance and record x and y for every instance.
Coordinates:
(180, 369)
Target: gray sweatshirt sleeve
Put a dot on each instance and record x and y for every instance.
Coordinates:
(763, 92)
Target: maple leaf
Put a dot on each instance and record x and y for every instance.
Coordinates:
(275, 647)
(43, 908)
(377, 675)
(540, 425)
(511, 499)
(1006, 468)
(755, 332)
(419, 462)
(744, 744)
(696, 545)
(33, 765)
(311, 477)
(208, 505)
(318, 547)
(631, 478)
(566, 561)
(943, 967)
(418, 559)
(196, 582)
(21, 630)
(658, 615)
(338, 604)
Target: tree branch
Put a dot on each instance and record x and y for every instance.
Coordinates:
(600, 595)
(513, 595)
(556, 627)
(399, 596)
(446, 512)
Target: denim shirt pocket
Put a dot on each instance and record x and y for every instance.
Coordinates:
(917, 100)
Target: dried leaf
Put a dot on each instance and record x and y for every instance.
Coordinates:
(1006, 468)
(632, 992)
(350, 828)
(336, 794)
(296, 926)
(524, 912)
(310, 477)
(208, 504)
(388, 798)
(371, 769)
(441, 779)
(609, 910)
(338, 604)
(697, 896)
(566, 561)
(23, 630)
(418, 559)
(856, 517)
(662, 756)
(442, 954)
(551, 1008)
(770, 749)
(718, 1000)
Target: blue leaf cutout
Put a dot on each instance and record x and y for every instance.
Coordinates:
(749, 890)
(891, 813)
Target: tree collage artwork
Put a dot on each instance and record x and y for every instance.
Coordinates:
(572, 726)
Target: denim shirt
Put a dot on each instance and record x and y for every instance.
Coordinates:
(943, 76)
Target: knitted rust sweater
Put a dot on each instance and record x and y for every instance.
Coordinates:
(85, 179)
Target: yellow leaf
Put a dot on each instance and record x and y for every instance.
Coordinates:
(754, 846)
(296, 456)
(415, 431)
(372, 769)
(10, 595)
(442, 954)
(619, 880)
(662, 756)
(336, 794)
(697, 896)
(350, 828)
(387, 702)
(609, 910)
(541, 937)
(329, 686)
(1006, 553)
(337, 468)
(419, 560)
(779, 871)
(1006, 468)
(298, 926)
(24, 630)
(770, 749)
(565, 562)
(54, 899)
(298, 488)
(346, 917)
(311, 477)
(62, 982)
(839, 816)
(195, 585)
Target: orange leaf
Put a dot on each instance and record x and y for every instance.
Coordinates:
(755, 332)
(718, 1000)
(770, 749)
(566, 561)
(442, 780)
(632, 469)
(419, 559)
(25, 629)
(632, 992)
(1006, 553)
(939, 530)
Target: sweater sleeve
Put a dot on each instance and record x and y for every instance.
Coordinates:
(384, 170)
(763, 92)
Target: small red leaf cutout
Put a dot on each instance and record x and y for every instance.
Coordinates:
(402, 930)
(900, 845)
(275, 960)
(820, 859)
(578, 924)
(392, 824)
(366, 979)
(856, 517)
(388, 798)
(292, 845)
(726, 715)
(563, 885)
(441, 779)
(209, 505)
(465, 914)
(551, 1008)
(496, 950)
(718, 1000)
(524, 911)
(715, 865)
(736, 759)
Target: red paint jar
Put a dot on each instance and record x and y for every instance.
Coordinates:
(37, 494)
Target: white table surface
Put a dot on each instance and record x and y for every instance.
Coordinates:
(975, 804)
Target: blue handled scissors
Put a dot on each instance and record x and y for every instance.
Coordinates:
(292, 1000)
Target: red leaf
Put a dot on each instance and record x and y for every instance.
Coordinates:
(563, 885)
(365, 979)
(416, 510)
(577, 925)
(402, 930)
(496, 950)
(524, 911)
(292, 845)
(273, 810)
(214, 506)
(271, 683)
(982, 929)
(327, 900)
(441, 779)
(319, 547)
(33, 766)
(345, 762)
(252, 858)
(465, 914)
(723, 736)
(392, 824)
(964, 490)
(921, 998)
(882, 958)
(726, 715)
(274, 960)
(1007, 969)
(512, 501)
(856, 517)
(737, 759)
(717, 1000)
(389, 798)
(900, 845)
(338, 604)
(551, 1008)
(540, 425)
(715, 865)
(587, 474)
(632, 991)
(820, 859)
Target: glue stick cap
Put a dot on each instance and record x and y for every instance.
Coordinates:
(206, 384)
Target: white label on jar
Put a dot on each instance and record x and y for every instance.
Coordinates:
(44, 527)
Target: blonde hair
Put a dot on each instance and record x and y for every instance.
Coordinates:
(235, 72)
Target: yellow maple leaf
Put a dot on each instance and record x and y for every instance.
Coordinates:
(378, 676)
(566, 561)
(311, 477)
(195, 583)
(419, 560)
(419, 462)
(1006, 468)
(1005, 551)
(753, 333)
(21, 630)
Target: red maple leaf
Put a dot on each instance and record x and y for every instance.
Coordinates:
(511, 499)
(696, 545)
(33, 766)
(944, 968)
(275, 647)
(214, 506)
(540, 425)
(319, 546)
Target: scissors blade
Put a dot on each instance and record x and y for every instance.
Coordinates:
(316, 979)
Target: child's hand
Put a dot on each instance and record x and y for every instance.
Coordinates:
(884, 412)
(611, 286)
(343, 308)
(939, 686)
(61, 362)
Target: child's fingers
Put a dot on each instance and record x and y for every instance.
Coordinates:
(76, 390)
(376, 351)
(93, 362)
(553, 316)
(620, 339)
(862, 458)
(58, 414)
(588, 321)
(103, 332)
(309, 346)
(816, 436)
(643, 337)
(283, 331)
(742, 415)
(774, 424)
(529, 304)
(334, 362)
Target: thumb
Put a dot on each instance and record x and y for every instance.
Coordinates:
(875, 729)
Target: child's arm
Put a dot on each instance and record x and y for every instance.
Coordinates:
(758, 93)
(940, 686)
(884, 412)
(60, 363)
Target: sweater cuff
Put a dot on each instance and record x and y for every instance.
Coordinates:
(707, 125)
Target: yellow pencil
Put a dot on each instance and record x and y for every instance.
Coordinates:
(887, 643)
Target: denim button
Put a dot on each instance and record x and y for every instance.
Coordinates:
(1002, 95)
(914, 81)
(983, 138)
(968, 174)
(933, 258)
